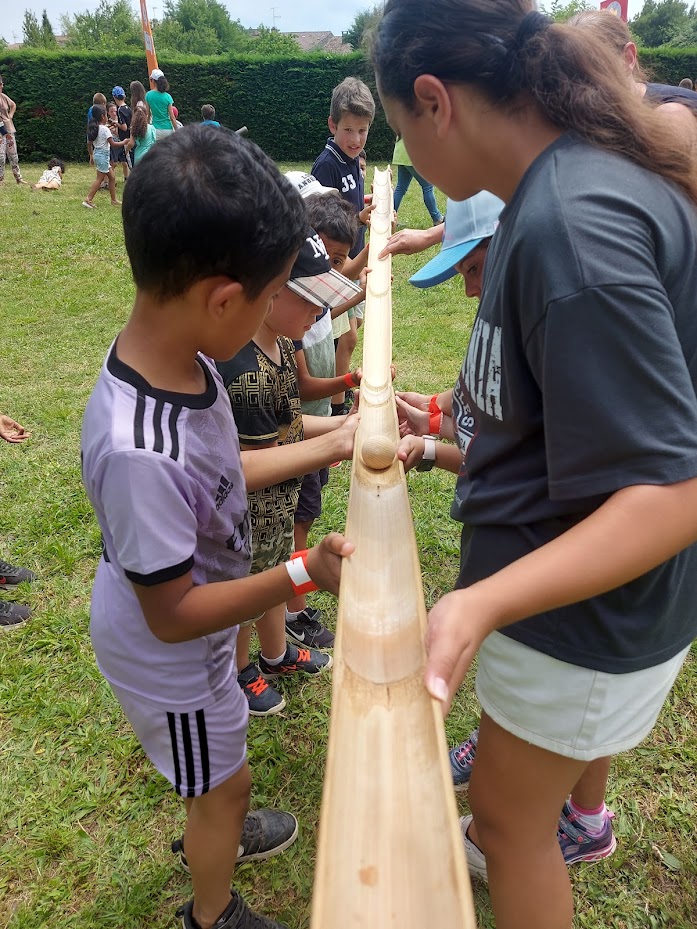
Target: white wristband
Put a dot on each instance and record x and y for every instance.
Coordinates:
(299, 575)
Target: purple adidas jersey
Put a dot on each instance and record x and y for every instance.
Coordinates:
(163, 473)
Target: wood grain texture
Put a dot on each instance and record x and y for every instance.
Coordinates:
(390, 852)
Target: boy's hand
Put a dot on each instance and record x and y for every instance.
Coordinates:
(345, 435)
(11, 431)
(324, 561)
(412, 421)
(356, 376)
(364, 215)
(410, 451)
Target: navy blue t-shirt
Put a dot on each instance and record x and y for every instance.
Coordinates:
(335, 169)
(580, 379)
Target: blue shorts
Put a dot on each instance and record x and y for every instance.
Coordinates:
(101, 162)
(310, 500)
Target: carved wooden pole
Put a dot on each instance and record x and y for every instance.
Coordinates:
(390, 851)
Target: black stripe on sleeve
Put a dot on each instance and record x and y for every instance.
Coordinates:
(174, 435)
(161, 576)
(188, 756)
(138, 432)
(159, 443)
(203, 749)
(175, 752)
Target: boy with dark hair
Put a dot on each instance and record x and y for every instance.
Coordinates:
(123, 125)
(262, 383)
(208, 115)
(162, 467)
(351, 114)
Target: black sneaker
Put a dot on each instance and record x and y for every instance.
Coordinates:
(296, 661)
(263, 700)
(340, 409)
(265, 833)
(10, 575)
(306, 629)
(236, 916)
(12, 615)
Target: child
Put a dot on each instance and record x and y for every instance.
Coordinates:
(138, 98)
(102, 140)
(351, 113)
(112, 124)
(52, 178)
(13, 615)
(123, 125)
(143, 134)
(161, 104)
(180, 124)
(97, 100)
(208, 115)
(162, 468)
(405, 174)
(262, 383)
(578, 565)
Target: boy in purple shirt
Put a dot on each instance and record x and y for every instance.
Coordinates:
(162, 467)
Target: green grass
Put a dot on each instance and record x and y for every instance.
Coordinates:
(85, 822)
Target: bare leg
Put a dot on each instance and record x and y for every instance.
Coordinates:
(271, 629)
(516, 793)
(212, 837)
(112, 185)
(589, 790)
(244, 637)
(95, 186)
(301, 531)
(344, 350)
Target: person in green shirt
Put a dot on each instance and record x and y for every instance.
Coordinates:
(161, 104)
(405, 173)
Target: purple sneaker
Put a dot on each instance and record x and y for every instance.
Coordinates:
(578, 844)
(462, 759)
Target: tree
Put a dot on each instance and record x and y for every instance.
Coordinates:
(48, 37)
(364, 22)
(561, 12)
(112, 25)
(199, 27)
(272, 42)
(665, 22)
(31, 30)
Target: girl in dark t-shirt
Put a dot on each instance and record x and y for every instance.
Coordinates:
(575, 413)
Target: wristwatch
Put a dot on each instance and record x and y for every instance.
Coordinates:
(429, 456)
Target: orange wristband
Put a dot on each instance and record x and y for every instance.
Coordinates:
(435, 421)
(300, 579)
(348, 380)
(433, 405)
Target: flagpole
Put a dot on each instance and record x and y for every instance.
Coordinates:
(150, 55)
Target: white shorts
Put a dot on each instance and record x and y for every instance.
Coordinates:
(195, 751)
(575, 712)
(162, 134)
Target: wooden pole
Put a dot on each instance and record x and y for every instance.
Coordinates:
(390, 852)
(150, 55)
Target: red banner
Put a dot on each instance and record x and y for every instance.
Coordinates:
(618, 7)
(147, 39)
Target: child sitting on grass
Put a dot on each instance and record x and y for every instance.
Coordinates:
(162, 467)
(262, 383)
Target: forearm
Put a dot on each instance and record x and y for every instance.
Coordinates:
(314, 426)
(317, 388)
(354, 301)
(638, 528)
(354, 266)
(265, 467)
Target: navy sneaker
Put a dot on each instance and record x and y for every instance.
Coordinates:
(578, 844)
(11, 575)
(462, 759)
(263, 700)
(236, 916)
(306, 629)
(296, 661)
(265, 833)
(12, 615)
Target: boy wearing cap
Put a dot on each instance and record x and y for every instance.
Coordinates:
(162, 467)
(262, 383)
(123, 125)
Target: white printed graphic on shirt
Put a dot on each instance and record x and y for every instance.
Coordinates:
(483, 368)
(348, 182)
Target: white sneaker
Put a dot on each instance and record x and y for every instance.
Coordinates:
(476, 862)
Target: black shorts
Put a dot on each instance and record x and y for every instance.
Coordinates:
(310, 500)
(118, 155)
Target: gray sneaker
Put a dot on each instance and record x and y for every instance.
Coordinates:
(236, 916)
(12, 615)
(265, 833)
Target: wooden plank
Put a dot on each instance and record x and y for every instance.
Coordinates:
(390, 852)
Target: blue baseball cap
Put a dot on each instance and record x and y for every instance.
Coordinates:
(118, 92)
(467, 223)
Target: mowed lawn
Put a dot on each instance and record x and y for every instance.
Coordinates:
(85, 822)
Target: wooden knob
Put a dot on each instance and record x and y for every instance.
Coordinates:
(378, 452)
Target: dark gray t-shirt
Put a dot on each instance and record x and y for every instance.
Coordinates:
(580, 380)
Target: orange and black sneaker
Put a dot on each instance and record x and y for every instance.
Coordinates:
(263, 700)
(296, 661)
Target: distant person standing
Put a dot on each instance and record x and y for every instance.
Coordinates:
(8, 142)
(161, 104)
(123, 125)
(405, 173)
(208, 115)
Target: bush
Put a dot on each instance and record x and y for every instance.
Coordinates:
(284, 101)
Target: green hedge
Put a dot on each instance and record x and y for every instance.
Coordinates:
(283, 101)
